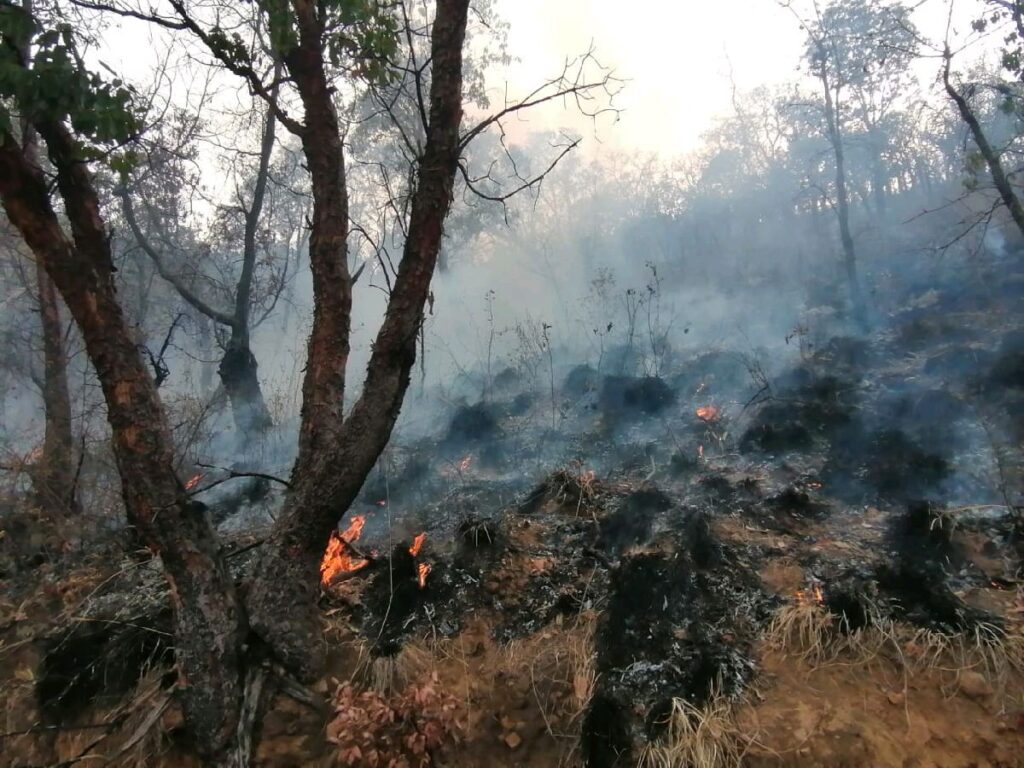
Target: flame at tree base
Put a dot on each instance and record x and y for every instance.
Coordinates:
(339, 557)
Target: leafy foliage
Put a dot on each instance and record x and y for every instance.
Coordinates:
(54, 86)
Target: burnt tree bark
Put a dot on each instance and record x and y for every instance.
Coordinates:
(337, 454)
(208, 621)
(988, 152)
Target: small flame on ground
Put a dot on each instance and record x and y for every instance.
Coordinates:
(466, 463)
(338, 558)
(813, 596)
(193, 481)
(422, 570)
(417, 544)
(700, 452)
(35, 456)
(708, 413)
(382, 503)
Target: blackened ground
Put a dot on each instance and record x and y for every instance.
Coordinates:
(678, 625)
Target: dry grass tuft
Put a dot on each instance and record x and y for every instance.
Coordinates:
(805, 630)
(697, 737)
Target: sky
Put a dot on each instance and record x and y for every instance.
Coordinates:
(679, 59)
(677, 56)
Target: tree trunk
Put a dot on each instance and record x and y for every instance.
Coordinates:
(281, 600)
(208, 622)
(843, 206)
(53, 475)
(991, 157)
(238, 371)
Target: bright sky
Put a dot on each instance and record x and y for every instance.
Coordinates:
(677, 55)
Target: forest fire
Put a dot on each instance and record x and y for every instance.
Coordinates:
(708, 413)
(422, 570)
(193, 481)
(812, 597)
(339, 557)
(417, 544)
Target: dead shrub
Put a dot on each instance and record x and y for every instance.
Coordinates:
(398, 731)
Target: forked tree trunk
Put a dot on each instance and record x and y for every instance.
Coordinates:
(53, 476)
(281, 601)
(208, 625)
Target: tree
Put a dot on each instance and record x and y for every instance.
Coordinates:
(238, 368)
(858, 51)
(76, 114)
(960, 95)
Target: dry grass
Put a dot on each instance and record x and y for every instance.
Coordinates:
(809, 632)
(698, 737)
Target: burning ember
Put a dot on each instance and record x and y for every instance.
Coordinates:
(417, 544)
(813, 596)
(193, 481)
(466, 463)
(339, 556)
(708, 413)
(422, 569)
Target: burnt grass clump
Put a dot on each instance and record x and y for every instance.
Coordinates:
(473, 424)
(631, 523)
(677, 625)
(100, 662)
(885, 464)
(580, 381)
(624, 397)
(808, 406)
(916, 580)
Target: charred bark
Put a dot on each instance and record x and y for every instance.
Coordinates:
(238, 374)
(988, 152)
(208, 622)
(281, 599)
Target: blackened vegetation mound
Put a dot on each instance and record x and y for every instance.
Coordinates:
(473, 424)
(476, 428)
(630, 524)
(628, 397)
(580, 381)
(95, 663)
(913, 583)
(917, 579)
(886, 464)
(677, 625)
(808, 406)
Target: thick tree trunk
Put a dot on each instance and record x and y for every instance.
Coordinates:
(53, 476)
(281, 599)
(208, 622)
(991, 157)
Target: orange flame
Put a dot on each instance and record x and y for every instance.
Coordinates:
(708, 413)
(193, 481)
(815, 596)
(417, 544)
(338, 557)
(421, 574)
(466, 463)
